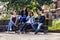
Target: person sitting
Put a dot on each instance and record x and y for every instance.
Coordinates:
(30, 21)
(23, 15)
(41, 22)
(13, 21)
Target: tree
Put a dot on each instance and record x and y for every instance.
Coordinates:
(4, 0)
(31, 4)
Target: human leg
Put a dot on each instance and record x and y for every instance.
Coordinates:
(38, 28)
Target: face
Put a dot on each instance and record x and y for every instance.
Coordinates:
(24, 8)
(31, 14)
(39, 14)
(14, 13)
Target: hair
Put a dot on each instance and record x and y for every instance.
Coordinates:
(25, 7)
(32, 13)
(13, 12)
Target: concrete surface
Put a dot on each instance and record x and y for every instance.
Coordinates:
(30, 36)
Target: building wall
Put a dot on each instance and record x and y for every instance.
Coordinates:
(58, 6)
(58, 3)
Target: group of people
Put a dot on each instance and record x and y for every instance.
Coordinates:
(28, 19)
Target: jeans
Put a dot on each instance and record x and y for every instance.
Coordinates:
(25, 26)
(38, 28)
(10, 26)
(34, 26)
(23, 19)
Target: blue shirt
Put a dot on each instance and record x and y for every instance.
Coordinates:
(30, 20)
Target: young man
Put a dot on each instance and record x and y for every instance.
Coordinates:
(30, 21)
(41, 22)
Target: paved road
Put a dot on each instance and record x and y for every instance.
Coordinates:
(30, 36)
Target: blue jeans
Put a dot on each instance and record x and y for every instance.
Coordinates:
(10, 26)
(25, 26)
(34, 26)
(22, 19)
(38, 28)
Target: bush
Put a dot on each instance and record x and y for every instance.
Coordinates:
(5, 16)
(55, 25)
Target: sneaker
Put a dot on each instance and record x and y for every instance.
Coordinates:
(10, 29)
(35, 33)
(22, 32)
(8, 32)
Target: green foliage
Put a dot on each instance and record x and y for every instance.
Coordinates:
(55, 26)
(4, 0)
(42, 2)
(5, 16)
(0, 13)
(31, 4)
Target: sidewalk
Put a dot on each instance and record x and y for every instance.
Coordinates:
(30, 36)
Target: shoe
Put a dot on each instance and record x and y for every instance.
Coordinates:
(35, 33)
(22, 32)
(45, 32)
(26, 32)
(10, 29)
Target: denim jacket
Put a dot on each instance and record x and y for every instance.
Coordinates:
(30, 20)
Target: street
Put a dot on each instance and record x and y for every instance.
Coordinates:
(30, 36)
